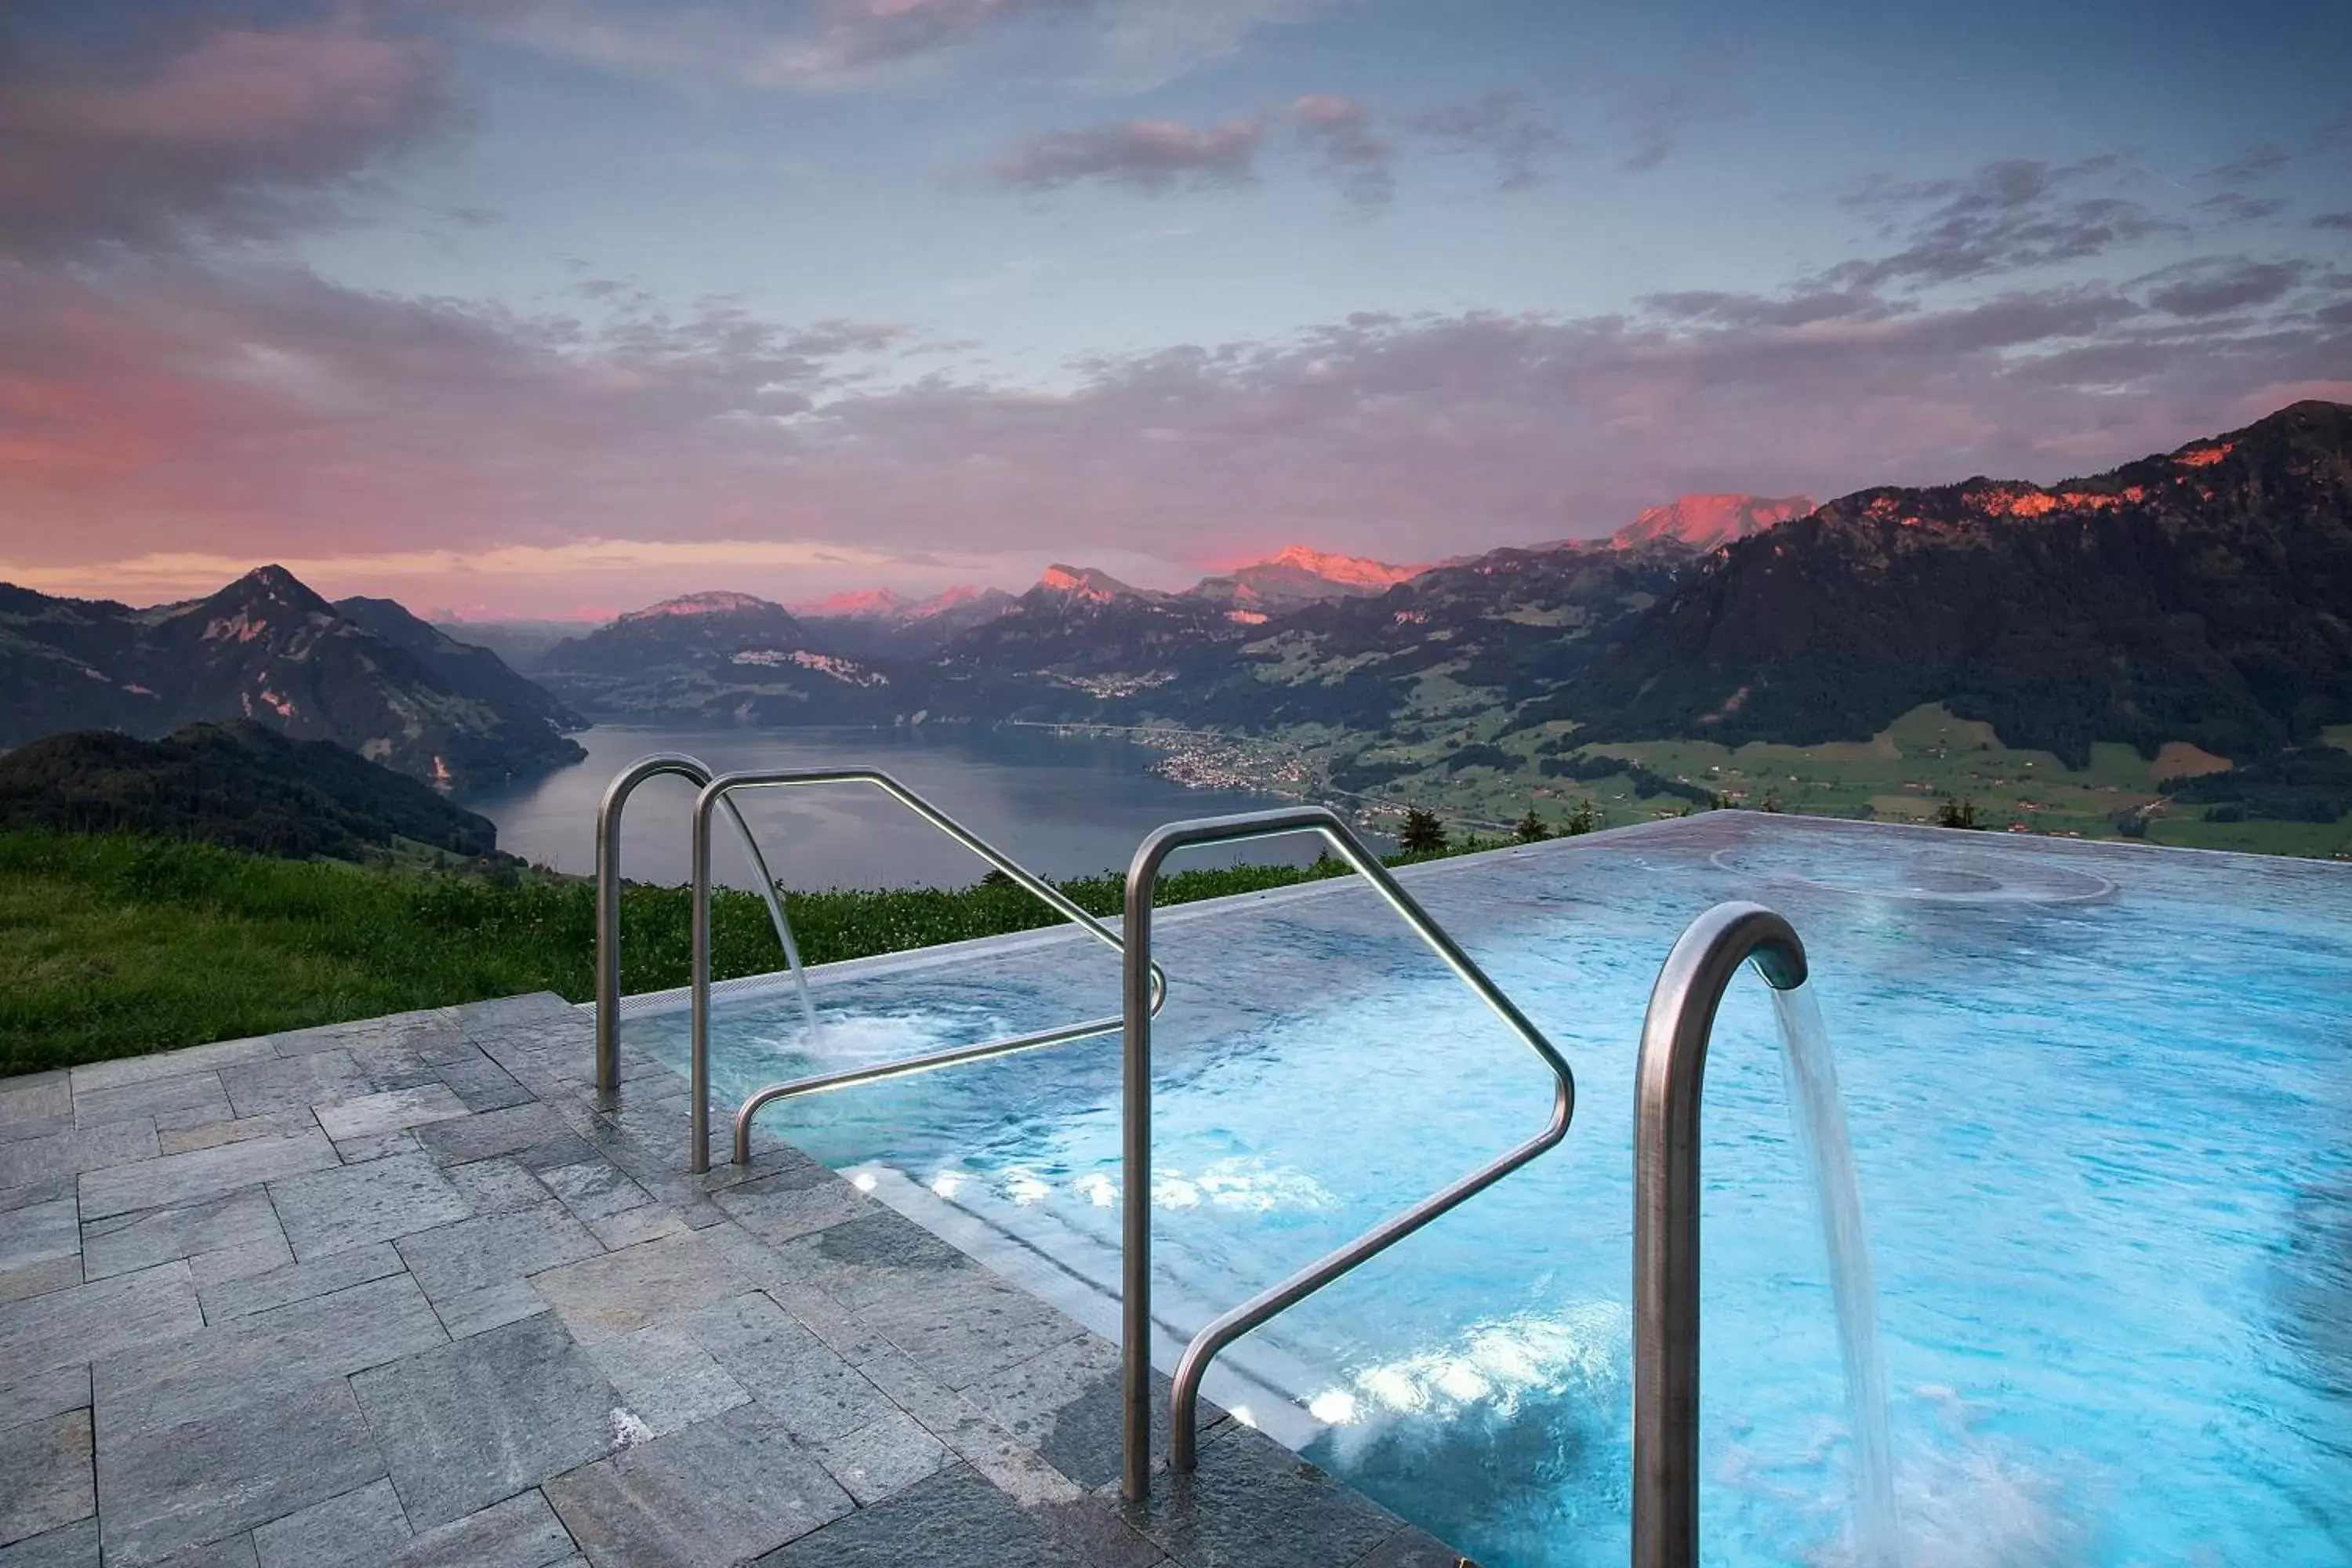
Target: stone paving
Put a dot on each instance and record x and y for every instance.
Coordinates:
(401, 1292)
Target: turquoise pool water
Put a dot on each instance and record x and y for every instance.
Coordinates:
(2101, 1101)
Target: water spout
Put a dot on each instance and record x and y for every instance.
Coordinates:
(1675, 1036)
(1817, 1116)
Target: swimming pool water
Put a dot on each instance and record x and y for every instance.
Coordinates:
(2101, 1103)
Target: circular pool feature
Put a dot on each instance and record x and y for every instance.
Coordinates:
(1938, 877)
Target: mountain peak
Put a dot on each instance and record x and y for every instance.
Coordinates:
(1086, 583)
(274, 584)
(714, 603)
(1353, 571)
(852, 604)
(1705, 521)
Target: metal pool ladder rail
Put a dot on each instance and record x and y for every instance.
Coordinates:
(608, 896)
(1141, 1003)
(1675, 1036)
(718, 793)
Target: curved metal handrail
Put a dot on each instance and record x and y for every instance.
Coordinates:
(1135, 1370)
(1675, 1036)
(608, 896)
(718, 792)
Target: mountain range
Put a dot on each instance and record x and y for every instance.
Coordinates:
(363, 673)
(2202, 595)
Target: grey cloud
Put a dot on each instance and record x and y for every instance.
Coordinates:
(2340, 221)
(2214, 286)
(2253, 164)
(2008, 215)
(1500, 124)
(217, 129)
(2232, 207)
(1337, 133)
(1151, 156)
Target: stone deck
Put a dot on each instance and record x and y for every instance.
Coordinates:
(399, 1292)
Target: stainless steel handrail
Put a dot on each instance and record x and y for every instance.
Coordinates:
(608, 896)
(718, 792)
(1672, 1064)
(1135, 1370)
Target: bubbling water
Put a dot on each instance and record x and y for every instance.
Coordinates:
(1817, 1116)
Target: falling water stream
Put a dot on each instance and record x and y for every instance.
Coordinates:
(1817, 1114)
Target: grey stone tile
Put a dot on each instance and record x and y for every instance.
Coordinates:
(518, 1013)
(534, 1133)
(955, 1520)
(38, 1162)
(621, 1292)
(40, 1278)
(970, 1326)
(393, 1110)
(377, 1146)
(631, 1226)
(45, 1476)
(162, 1490)
(1413, 1548)
(92, 1322)
(666, 1378)
(43, 1395)
(270, 1354)
(115, 1143)
(593, 1189)
(1097, 1528)
(47, 1190)
(884, 1456)
(74, 1546)
(478, 1082)
(335, 1211)
(793, 1203)
(473, 1270)
(872, 1259)
(201, 1173)
(38, 1233)
(121, 1243)
(295, 1083)
(818, 1395)
(237, 1130)
(520, 1532)
(485, 1418)
(237, 1551)
(389, 1063)
(95, 1076)
(357, 1529)
(1065, 1403)
(1012, 1466)
(224, 1264)
(243, 1296)
(1252, 1500)
(497, 1185)
(718, 1493)
(34, 1100)
(184, 1101)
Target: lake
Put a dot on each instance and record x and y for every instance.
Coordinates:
(1060, 805)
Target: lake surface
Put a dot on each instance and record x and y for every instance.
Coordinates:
(1063, 807)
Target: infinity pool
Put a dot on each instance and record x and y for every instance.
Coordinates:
(2101, 1099)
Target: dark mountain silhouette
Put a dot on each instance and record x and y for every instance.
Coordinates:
(240, 783)
(268, 649)
(2203, 595)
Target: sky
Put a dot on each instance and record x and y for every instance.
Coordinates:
(553, 308)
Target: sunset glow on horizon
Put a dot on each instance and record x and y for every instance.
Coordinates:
(551, 309)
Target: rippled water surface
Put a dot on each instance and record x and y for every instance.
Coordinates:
(2101, 1105)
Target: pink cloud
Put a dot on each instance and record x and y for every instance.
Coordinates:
(1148, 156)
(233, 135)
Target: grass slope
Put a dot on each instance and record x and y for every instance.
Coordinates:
(111, 945)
